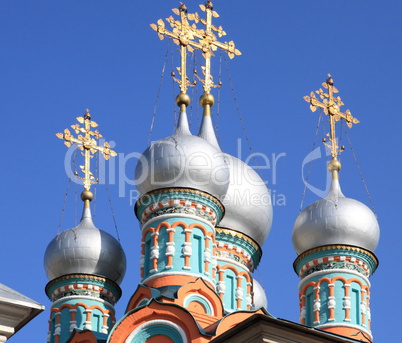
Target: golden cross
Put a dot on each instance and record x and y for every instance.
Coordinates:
(209, 43)
(331, 106)
(189, 37)
(88, 144)
(183, 35)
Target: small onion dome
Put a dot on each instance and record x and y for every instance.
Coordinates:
(260, 298)
(335, 220)
(248, 206)
(182, 160)
(85, 250)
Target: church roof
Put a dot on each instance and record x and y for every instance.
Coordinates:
(262, 326)
(16, 310)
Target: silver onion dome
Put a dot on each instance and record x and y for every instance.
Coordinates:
(182, 160)
(336, 220)
(248, 206)
(85, 250)
(260, 298)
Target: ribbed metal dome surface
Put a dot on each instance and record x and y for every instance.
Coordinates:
(182, 160)
(336, 220)
(85, 250)
(260, 298)
(248, 206)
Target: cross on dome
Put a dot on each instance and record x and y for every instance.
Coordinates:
(331, 106)
(189, 37)
(88, 143)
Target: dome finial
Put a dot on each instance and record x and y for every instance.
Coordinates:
(207, 130)
(86, 197)
(183, 100)
(334, 166)
(87, 143)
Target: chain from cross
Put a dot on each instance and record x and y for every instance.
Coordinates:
(88, 144)
(331, 106)
(190, 38)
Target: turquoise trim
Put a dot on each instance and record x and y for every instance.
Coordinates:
(229, 301)
(83, 279)
(167, 305)
(339, 251)
(178, 194)
(69, 297)
(96, 319)
(196, 250)
(202, 301)
(231, 292)
(339, 302)
(157, 330)
(240, 243)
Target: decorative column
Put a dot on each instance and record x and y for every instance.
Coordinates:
(236, 257)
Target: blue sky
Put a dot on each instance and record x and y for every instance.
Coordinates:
(60, 57)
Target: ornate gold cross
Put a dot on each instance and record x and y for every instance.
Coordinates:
(209, 43)
(183, 35)
(190, 38)
(87, 143)
(331, 106)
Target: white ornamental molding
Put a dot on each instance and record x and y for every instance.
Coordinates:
(331, 302)
(187, 249)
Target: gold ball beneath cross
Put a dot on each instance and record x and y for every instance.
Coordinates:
(207, 99)
(334, 165)
(183, 99)
(87, 195)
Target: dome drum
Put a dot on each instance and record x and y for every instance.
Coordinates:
(336, 257)
(243, 249)
(179, 200)
(83, 285)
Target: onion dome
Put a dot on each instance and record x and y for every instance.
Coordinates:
(248, 206)
(85, 250)
(336, 219)
(260, 298)
(182, 160)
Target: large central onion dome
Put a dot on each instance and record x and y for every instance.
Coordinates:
(85, 250)
(335, 220)
(248, 207)
(182, 160)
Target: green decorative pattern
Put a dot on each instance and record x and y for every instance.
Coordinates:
(335, 251)
(241, 241)
(68, 285)
(161, 196)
